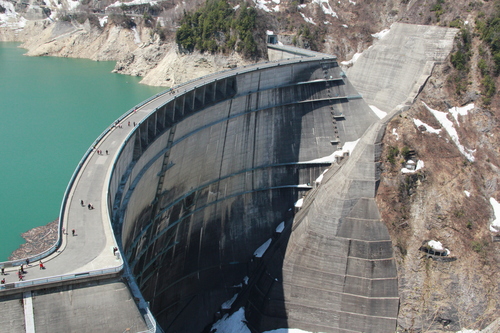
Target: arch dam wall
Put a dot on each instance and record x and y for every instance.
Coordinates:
(206, 178)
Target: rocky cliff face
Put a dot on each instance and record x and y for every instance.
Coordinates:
(448, 200)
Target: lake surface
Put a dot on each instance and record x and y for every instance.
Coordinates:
(51, 110)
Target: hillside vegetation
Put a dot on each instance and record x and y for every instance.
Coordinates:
(216, 27)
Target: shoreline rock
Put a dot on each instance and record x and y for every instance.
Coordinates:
(37, 239)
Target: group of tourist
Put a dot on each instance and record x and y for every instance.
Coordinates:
(21, 272)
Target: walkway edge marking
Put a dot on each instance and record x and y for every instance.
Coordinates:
(29, 318)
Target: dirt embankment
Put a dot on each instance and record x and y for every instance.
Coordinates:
(38, 239)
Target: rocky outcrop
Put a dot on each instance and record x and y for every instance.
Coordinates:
(137, 51)
(69, 39)
(175, 68)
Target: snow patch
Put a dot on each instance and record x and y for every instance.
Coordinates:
(320, 178)
(103, 20)
(263, 4)
(448, 126)
(428, 128)
(467, 193)
(137, 37)
(72, 5)
(455, 111)
(227, 304)
(347, 148)
(420, 165)
(307, 19)
(381, 114)
(495, 225)
(395, 133)
(132, 3)
(381, 34)
(351, 62)
(325, 6)
(437, 246)
(299, 203)
(234, 323)
(10, 18)
(262, 249)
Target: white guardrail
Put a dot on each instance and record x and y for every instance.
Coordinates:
(60, 278)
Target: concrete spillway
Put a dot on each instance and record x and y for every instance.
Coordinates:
(206, 178)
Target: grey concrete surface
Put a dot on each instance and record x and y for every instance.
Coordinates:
(226, 170)
(108, 307)
(12, 318)
(365, 296)
(392, 72)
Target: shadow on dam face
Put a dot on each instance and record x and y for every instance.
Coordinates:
(207, 178)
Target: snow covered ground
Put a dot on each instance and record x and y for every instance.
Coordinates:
(420, 165)
(235, 323)
(495, 225)
(10, 18)
(428, 128)
(381, 114)
(347, 148)
(448, 125)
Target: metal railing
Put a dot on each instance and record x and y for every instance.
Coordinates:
(61, 278)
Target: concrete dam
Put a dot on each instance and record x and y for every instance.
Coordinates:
(209, 176)
(248, 189)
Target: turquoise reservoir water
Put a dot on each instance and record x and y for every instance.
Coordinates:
(51, 110)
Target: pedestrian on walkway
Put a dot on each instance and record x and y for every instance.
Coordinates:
(3, 281)
(41, 265)
(73, 232)
(129, 123)
(88, 206)
(3, 271)
(107, 152)
(82, 203)
(115, 249)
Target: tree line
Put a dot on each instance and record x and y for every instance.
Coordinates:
(217, 27)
